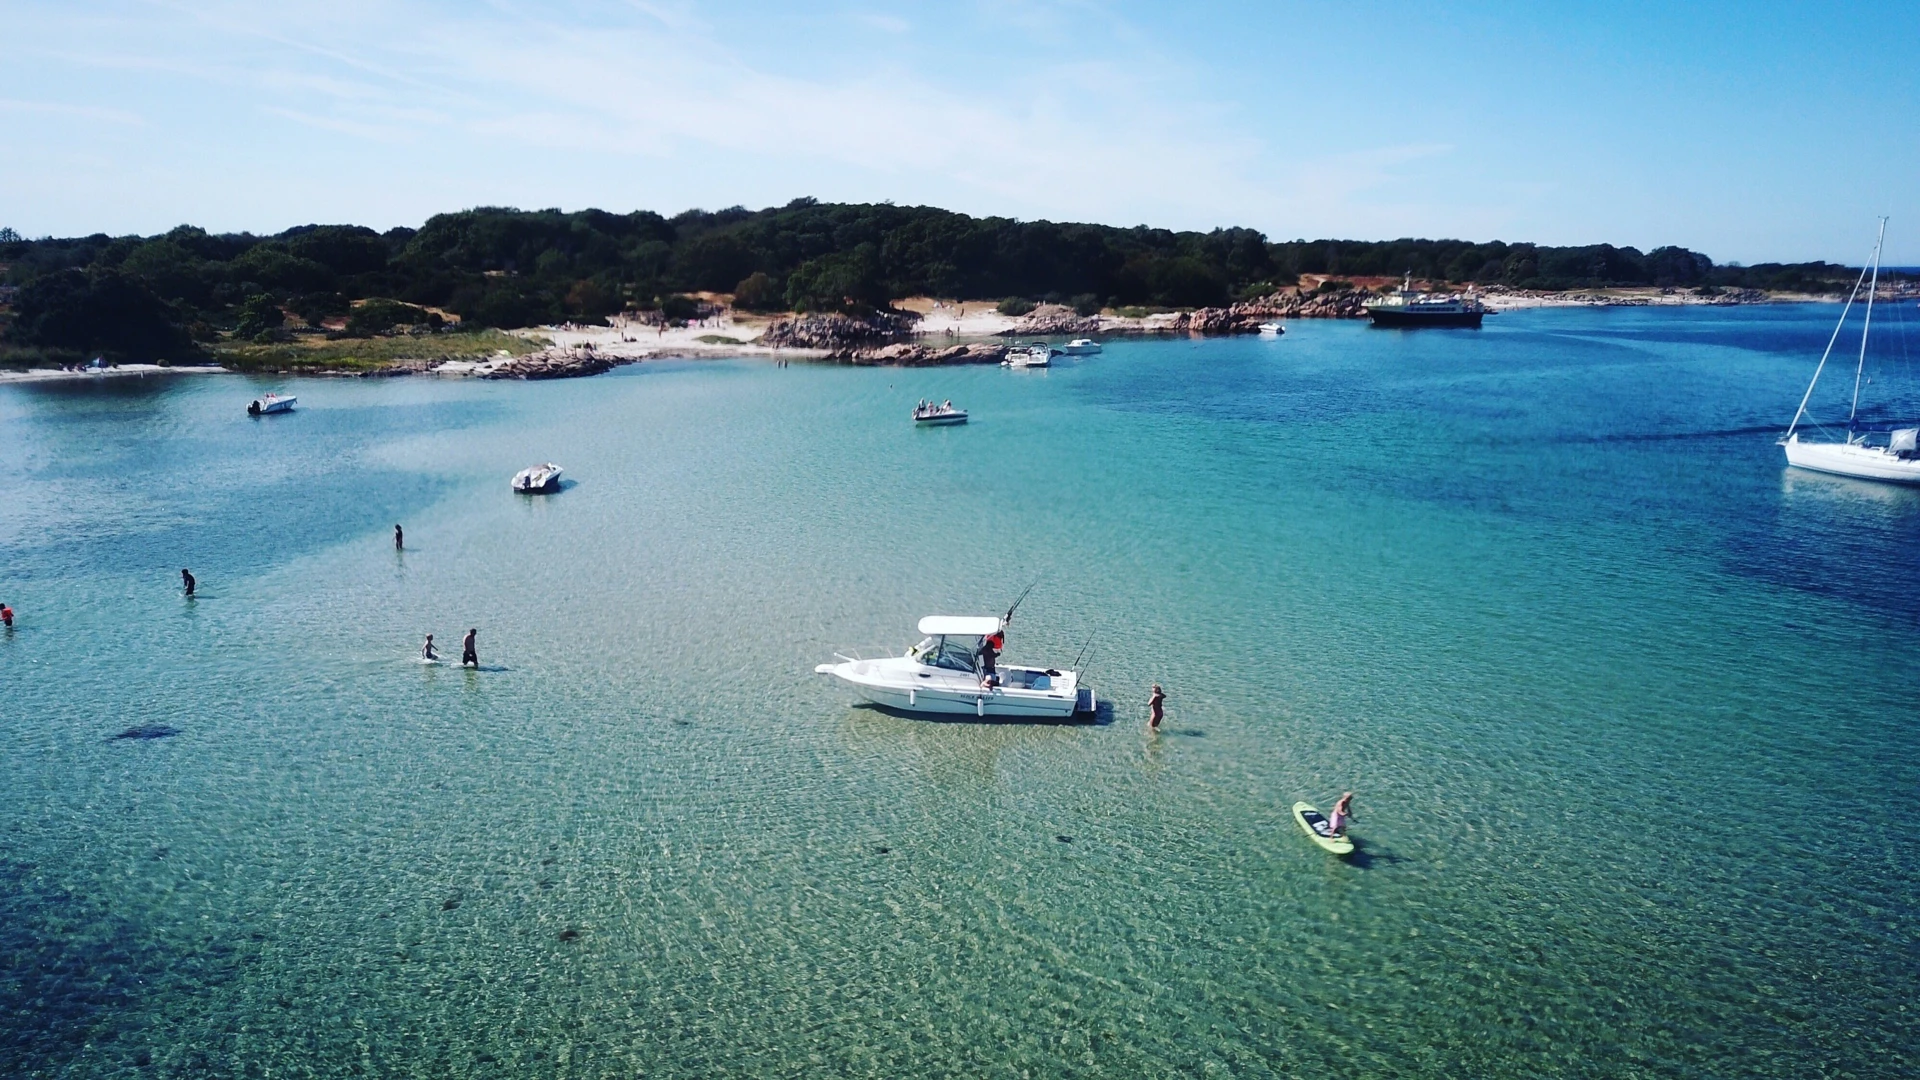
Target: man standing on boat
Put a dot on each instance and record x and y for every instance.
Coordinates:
(989, 650)
(468, 651)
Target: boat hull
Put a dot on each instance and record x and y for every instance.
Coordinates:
(1845, 459)
(941, 420)
(1409, 319)
(874, 683)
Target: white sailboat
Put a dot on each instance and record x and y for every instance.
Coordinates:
(1862, 453)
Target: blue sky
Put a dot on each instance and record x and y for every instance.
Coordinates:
(1750, 131)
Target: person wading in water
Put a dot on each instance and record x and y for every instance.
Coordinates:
(1156, 708)
(427, 651)
(399, 539)
(186, 580)
(468, 655)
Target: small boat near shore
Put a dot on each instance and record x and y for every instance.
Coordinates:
(1029, 356)
(927, 414)
(1410, 308)
(537, 479)
(1870, 451)
(268, 404)
(1080, 347)
(941, 675)
(1271, 329)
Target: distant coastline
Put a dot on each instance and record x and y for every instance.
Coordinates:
(465, 287)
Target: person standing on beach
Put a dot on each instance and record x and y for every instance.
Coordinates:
(186, 581)
(1156, 708)
(468, 651)
(399, 539)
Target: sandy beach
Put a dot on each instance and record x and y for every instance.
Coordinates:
(116, 371)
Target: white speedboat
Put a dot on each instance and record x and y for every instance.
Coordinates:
(941, 675)
(930, 415)
(1871, 451)
(1271, 329)
(1025, 356)
(267, 404)
(1080, 347)
(537, 479)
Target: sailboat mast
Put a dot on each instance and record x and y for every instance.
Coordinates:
(1867, 323)
(1822, 366)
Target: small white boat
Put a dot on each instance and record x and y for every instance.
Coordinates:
(941, 675)
(1271, 329)
(1025, 356)
(267, 404)
(1080, 347)
(537, 479)
(1870, 451)
(931, 415)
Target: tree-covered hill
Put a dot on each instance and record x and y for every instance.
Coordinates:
(138, 296)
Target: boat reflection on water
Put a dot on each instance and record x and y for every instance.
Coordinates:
(1831, 489)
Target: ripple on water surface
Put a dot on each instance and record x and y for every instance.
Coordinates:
(1624, 703)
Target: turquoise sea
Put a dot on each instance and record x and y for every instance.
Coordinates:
(1629, 709)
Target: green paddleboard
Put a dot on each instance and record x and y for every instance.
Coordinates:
(1315, 825)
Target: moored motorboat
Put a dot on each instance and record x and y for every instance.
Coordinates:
(537, 479)
(1410, 308)
(942, 675)
(267, 404)
(1029, 356)
(1271, 329)
(1862, 453)
(928, 414)
(1080, 347)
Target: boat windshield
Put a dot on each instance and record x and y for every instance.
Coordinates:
(952, 653)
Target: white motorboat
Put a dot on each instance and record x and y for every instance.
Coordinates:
(930, 415)
(1271, 329)
(1871, 451)
(537, 479)
(1080, 347)
(1027, 356)
(267, 404)
(941, 675)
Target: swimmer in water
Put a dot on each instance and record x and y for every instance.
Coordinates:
(186, 580)
(427, 652)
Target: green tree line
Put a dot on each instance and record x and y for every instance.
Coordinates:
(171, 294)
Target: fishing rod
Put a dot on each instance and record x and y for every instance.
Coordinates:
(1008, 617)
(1083, 650)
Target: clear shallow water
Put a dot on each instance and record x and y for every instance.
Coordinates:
(1628, 707)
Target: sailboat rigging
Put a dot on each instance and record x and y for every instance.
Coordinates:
(1861, 454)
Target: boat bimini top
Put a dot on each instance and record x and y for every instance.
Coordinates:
(960, 625)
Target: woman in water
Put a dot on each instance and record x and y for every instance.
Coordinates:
(427, 652)
(1156, 708)
(1342, 810)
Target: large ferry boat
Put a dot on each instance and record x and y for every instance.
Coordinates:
(1409, 307)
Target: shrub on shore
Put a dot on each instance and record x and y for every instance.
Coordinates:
(1014, 306)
